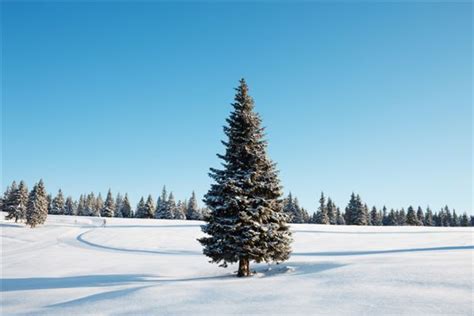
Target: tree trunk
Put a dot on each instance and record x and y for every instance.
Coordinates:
(244, 267)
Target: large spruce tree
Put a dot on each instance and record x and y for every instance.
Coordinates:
(37, 208)
(246, 221)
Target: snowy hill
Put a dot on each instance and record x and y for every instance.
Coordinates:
(74, 266)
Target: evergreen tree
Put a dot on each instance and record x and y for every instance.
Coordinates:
(118, 205)
(355, 211)
(331, 211)
(246, 221)
(448, 217)
(4, 200)
(367, 215)
(58, 204)
(109, 206)
(164, 210)
(420, 216)
(385, 219)
(428, 217)
(126, 209)
(161, 206)
(292, 208)
(340, 218)
(140, 210)
(392, 218)
(69, 208)
(97, 204)
(149, 208)
(455, 219)
(412, 219)
(17, 202)
(91, 205)
(305, 216)
(402, 218)
(193, 212)
(81, 206)
(49, 199)
(464, 220)
(37, 208)
(375, 217)
(174, 209)
(322, 213)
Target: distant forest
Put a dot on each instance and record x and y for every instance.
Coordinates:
(17, 199)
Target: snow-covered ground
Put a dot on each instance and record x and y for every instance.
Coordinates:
(72, 266)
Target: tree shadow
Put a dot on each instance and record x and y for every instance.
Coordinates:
(24, 284)
(375, 252)
(81, 239)
(379, 233)
(18, 225)
(295, 268)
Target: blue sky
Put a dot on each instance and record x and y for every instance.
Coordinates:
(364, 97)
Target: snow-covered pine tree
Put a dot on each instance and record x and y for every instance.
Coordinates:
(298, 216)
(161, 204)
(69, 208)
(305, 216)
(49, 199)
(412, 220)
(17, 202)
(165, 210)
(374, 217)
(464, 220)
(367, 215)
(392, 218)
(402, 218)
(109, 206)
(455, 219)
(331, 211)
(58, 204)
(384, 216)
(322, 213)
(140, 210)
(118, 205)
(246, 221)
(356, 214)
(291, 208)
(339, 217)
(193, 212)
(91, 204)
(126, 209)
(149, 208)
(429, 217)
(420, 216)
(9, 200)
(37, 208)
(97, 204)
(81, 206)
(4, 200)
(448, 217)
(173, 209)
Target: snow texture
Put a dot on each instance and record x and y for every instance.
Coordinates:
(73, 266)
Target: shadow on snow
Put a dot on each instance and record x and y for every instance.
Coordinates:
(81, 239)
(375, 252)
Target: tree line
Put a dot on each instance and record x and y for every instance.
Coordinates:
(34, 206)
(17, 200)
(358, 213)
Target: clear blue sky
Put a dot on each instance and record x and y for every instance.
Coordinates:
(371, 98)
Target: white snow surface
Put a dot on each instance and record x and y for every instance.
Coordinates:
(73, 266)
